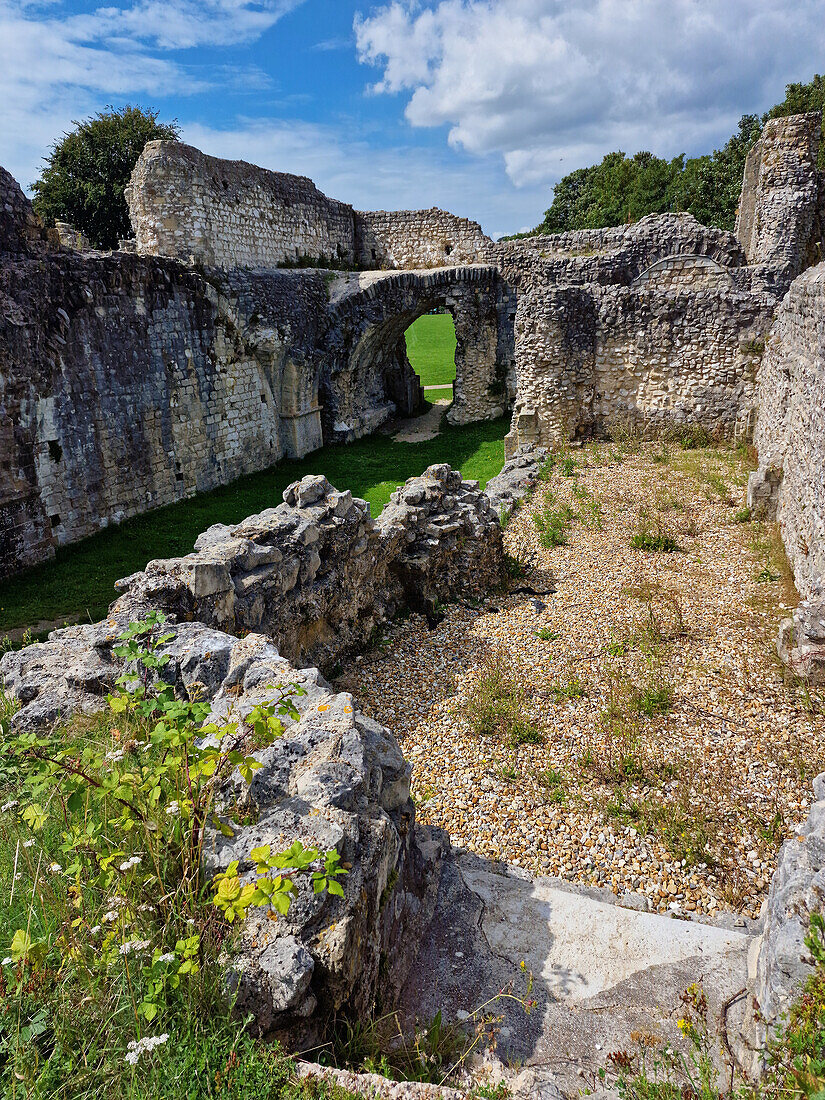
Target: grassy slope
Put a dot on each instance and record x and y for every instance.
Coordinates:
(431, 348)
(80, 581)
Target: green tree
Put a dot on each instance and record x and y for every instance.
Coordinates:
(623, 189)
(89, 167)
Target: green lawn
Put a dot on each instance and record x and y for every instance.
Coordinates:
(80, 580)
(431, 350)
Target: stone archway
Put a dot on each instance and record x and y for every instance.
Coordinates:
(370, 376)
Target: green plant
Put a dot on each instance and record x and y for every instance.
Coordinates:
(653, 539)
(497, 703)
(116, 933)
(573, 688)
(88, 169)
(742, 516)
(553, 781)
(546, 634)
(568, 467)
(552, 524)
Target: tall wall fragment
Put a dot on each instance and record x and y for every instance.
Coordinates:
(781, 218)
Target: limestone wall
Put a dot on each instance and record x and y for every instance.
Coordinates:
(417, 238)
(225, 213)
(781, 219)
(128, 383)
(790, 428)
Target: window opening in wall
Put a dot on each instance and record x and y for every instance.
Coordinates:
(431, 345)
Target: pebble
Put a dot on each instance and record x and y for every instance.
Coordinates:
(736, 748)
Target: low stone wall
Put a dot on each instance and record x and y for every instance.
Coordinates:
(336, 779)
(790, 440)
(417, 238)
(781, 962)
(319, 576)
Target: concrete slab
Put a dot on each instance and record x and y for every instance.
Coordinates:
(602, 973)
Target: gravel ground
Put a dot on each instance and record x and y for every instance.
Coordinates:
(675, 755)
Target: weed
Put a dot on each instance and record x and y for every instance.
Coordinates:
(552, 525)
(497, 703)
(742, 516)
(568, 467)
(653, 539)
(573, 688)
(515, 568)
(546, 634)
(553, 782)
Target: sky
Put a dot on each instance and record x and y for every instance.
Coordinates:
(477, 106)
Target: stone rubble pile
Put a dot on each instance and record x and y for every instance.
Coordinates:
(336, 779)
(319, 576)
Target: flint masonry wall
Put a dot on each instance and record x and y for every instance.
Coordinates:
(654, 324)
(781, 218)
(227, 213)
(222, 213)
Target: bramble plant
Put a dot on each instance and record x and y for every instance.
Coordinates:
(108, 828)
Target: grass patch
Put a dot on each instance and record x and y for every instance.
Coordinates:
(80, 581)
(553, 524)
(497, 704)
(431, 348)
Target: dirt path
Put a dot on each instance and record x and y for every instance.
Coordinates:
(632, 728)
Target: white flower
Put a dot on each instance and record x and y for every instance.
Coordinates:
(9, 805)
(138, 1046)
(169, 957)
(55, 868)
(7, 961)
(173, 808)
(110, 916)
(117, 900)
(116, 754)
(131, 862)
(133, 945)
(28, 843)
(94, 931)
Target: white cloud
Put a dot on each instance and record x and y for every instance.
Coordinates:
(57, 68)
(347, 167)
(551, 85)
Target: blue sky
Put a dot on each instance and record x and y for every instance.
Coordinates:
(478, 106)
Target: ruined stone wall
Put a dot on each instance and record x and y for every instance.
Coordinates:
(790, 428)
(127, 383)
(417, 238)
(318, 575)
(653, 324)
(781, 218)
(225, 213)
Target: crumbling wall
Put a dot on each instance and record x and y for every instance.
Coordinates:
(417, 238)
(127, 383)
(227, 213)
(652, 325)
(781, 218)
(319, 575)
(790, 439)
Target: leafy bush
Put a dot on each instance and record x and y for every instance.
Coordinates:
(88, 169)
(113, 931)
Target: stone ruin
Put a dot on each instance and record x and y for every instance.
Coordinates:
(204, 350)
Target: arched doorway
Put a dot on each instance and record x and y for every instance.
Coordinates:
(431, 349)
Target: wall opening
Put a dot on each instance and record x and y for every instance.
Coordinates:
(431, 347)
